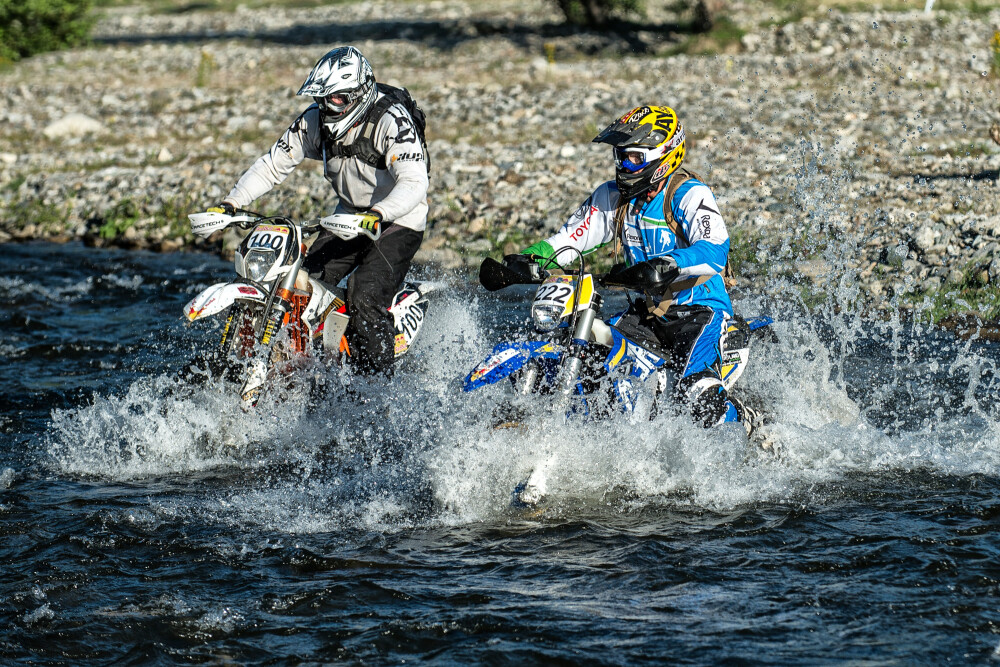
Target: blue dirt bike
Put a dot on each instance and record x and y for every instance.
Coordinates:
(579, 365)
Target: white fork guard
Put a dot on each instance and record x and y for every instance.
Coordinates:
(218, 297)
(320, 309)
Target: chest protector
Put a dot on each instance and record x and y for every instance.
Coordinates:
(363, 146)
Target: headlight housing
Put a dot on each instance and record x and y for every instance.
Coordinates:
(546, 316)
(258, 262)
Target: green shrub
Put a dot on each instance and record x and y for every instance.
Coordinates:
(595, 13)
(28, 27)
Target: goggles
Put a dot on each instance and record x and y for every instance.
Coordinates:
(634, 158)
(338, 103)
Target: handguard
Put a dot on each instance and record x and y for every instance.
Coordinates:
(495, 276)
(349, 225)
(207, 223)
(642, 276)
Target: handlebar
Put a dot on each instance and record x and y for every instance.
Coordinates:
(494, 275)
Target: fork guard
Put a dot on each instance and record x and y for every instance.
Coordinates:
(508, 358)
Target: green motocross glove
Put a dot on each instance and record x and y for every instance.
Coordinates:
(543, 253)
(371, 220)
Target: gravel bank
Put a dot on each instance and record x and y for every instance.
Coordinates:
(850, 149)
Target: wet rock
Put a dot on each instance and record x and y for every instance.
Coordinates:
(924, 239)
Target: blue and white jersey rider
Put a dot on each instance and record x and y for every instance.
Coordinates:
(646, 235)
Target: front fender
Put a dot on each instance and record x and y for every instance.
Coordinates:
(220, 296)
(507, 358)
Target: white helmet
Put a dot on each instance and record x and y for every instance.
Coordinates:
(343, 85)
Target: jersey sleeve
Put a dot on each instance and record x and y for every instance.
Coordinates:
(708, 239)
(301, 140)
(396, 138)
(590, 227)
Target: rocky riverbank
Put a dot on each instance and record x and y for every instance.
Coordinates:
(849, 151)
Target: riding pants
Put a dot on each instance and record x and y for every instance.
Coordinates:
(692, 338)
(378, 270)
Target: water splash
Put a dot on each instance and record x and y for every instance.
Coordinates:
(847, 392)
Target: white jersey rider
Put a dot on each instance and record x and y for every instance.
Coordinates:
(374, 159)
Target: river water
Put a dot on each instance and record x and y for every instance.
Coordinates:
(145, 520)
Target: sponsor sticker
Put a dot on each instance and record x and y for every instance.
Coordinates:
(493, 362)
(637, 114)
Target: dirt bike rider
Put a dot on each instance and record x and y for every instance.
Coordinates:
(392, 192)
(685, 239)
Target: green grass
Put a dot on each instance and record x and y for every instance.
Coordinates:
(25, 212)
(206, 66)
(724, 37)
(116, 221)
(15, 183)
(982, 300)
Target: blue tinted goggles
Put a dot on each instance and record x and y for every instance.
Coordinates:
(633, 159)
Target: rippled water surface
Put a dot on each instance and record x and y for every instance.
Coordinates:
(147, 520)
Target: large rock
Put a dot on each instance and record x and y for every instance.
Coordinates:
(72, 125)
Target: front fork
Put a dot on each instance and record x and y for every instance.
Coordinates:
(279, 304)
(569, 374)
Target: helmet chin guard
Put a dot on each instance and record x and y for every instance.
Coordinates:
(345, 75)
(648, 145)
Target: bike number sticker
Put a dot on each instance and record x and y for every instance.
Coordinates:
(559, 290)
(267, 237)
(408, 323)
(555, 291)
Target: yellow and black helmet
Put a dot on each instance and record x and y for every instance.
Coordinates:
(648, 144)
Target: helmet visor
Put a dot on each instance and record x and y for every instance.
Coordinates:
(633, 158)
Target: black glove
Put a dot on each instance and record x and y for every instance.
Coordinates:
(223, 207)
(654, 274)
(667, 268)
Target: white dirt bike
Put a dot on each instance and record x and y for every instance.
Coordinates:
(275, 311)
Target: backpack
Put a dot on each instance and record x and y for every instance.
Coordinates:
(363, 147)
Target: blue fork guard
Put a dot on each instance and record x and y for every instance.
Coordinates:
(643, 361)
(507, 358)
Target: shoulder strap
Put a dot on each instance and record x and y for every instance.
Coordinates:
(678, 178)
(619, 221)
(363, 146)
